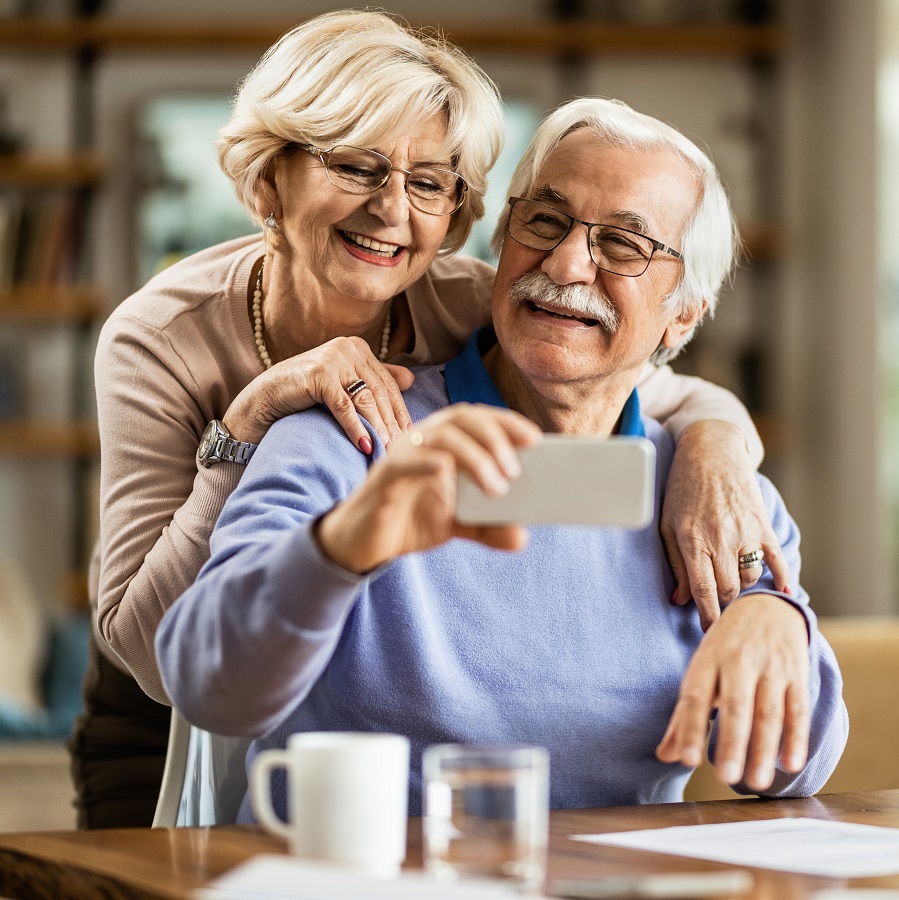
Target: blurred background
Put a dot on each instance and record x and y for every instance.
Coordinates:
(107, 115)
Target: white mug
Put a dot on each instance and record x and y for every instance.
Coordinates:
(347, 796)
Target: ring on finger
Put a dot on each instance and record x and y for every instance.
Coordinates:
(751, 560)
(355, 387)
(416, 438)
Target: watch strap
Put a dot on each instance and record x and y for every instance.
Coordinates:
(232, 450)
(217, 446)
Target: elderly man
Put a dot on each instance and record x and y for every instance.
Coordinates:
(336, 599)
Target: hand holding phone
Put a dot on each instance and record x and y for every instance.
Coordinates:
(571, 480)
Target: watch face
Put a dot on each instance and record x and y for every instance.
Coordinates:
(208, 440)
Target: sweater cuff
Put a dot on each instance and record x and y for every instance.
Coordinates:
(346, 574)
(679, 422)
(811, 620)
(212, 487)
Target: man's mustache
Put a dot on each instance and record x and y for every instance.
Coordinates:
(575, 299)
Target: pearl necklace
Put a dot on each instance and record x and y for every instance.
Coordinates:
(257, 320)
(260, 340)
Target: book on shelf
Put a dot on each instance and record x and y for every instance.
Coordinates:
(39, 239)
(12, 379)
(10, 215)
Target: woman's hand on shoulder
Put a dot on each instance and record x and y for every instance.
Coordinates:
(714, 513)
(322, 375)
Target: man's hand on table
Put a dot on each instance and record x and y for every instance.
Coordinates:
(753, 667)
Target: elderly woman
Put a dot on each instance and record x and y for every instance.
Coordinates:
(362, 149)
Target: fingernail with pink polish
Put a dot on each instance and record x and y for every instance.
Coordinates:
(674, 598)
(365, 445)
(787, 589)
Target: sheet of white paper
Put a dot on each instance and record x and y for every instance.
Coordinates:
(270, 877)
(807, 846)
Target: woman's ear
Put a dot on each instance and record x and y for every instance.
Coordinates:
(266, 198)
(682, 326)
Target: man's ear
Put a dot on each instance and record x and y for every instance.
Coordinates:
(266, 198)
(681, 327)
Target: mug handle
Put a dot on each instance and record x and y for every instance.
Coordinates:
(261, 790)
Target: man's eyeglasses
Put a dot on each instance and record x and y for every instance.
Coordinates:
(613, 249)
(436, 191)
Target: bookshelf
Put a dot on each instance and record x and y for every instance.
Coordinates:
(49, 311)
(48, 307)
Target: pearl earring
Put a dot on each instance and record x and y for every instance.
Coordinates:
(270, 221)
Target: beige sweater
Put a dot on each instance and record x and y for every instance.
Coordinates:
(175, 354)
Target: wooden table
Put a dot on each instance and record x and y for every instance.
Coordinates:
(171, 862)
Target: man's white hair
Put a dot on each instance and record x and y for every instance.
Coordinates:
(711, 242)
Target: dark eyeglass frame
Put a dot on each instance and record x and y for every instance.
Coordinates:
(657, 246)
(324, 157)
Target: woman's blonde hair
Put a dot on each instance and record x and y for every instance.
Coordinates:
(362, 78)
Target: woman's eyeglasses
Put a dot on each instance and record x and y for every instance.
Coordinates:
(436, 191)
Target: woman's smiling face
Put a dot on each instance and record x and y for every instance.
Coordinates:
(367, 247)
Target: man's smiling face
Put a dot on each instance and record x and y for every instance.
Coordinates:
(599, 324)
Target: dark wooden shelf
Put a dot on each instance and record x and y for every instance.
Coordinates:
(732, 40)
(46, 170)
(762, 243)
(775, 432)
(65, 440)
(614, 38)
(47, 304)
(75, 593)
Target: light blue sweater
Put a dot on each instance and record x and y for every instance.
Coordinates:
(571, 644)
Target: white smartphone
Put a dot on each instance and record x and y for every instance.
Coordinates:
(571, 480)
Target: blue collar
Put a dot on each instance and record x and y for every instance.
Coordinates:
(467, 381)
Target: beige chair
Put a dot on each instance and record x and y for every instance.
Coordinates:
(867, 649)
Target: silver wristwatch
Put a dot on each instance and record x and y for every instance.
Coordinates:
(217, 446)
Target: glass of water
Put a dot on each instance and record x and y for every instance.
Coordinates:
(486, 812)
